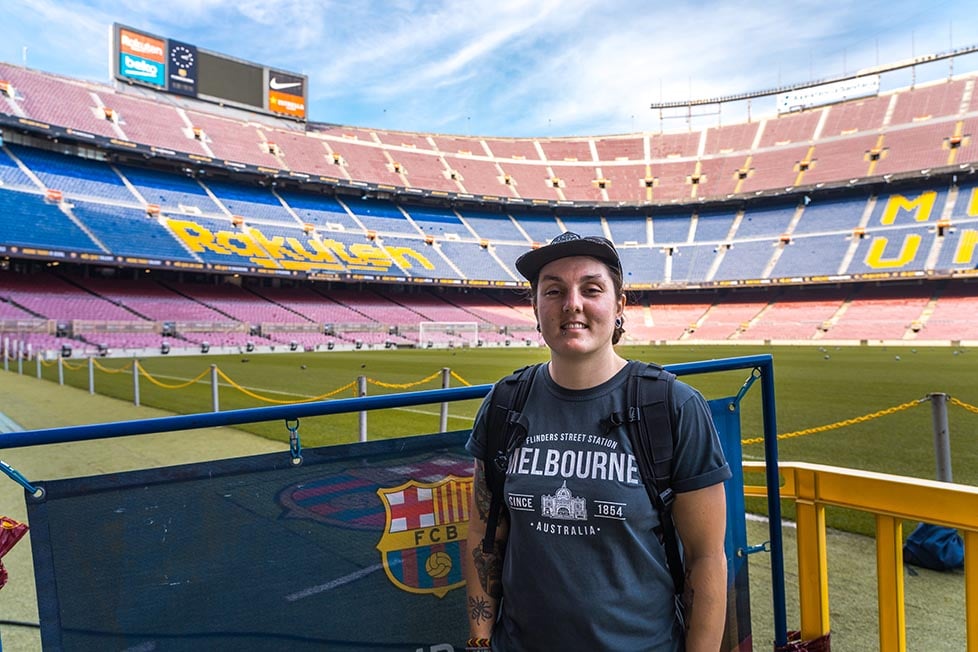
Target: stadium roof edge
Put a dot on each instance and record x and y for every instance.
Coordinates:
(874, 70)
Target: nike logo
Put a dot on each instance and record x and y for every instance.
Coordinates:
(276, 85)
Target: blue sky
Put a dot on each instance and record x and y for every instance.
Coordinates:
(507, 67)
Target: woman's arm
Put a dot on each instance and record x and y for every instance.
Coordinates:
(701, 518)
(483, 571)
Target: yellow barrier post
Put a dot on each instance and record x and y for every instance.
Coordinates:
(971, 588)
(892, 499)
(813, 574)
(889, 579)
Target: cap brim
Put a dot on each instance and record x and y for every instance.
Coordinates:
(530, 263)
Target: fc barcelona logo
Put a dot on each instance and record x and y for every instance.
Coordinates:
(424, 536)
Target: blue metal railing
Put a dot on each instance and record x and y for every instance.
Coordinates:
(762, 366)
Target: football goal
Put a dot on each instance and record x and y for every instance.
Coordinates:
(441, 334)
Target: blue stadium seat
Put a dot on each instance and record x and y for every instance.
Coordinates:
(30, 222)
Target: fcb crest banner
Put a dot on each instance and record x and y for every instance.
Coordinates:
(422, 541)
(358, 548)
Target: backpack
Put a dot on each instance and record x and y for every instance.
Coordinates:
(650, 430)
(934, 547)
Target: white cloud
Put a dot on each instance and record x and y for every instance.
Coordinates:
(505, 67)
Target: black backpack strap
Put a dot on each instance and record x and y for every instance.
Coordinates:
(505, 432)
(651, 429)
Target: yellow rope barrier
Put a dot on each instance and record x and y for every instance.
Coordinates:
(71, 367)
(841, 424)
(959, 403)
(145, 374)
(253, 395)
(427, 379)
(460, 379)
(108, 370)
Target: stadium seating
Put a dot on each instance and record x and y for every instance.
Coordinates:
(680, 206)
(51, 297)
(12, 176)
(479, 177)
(250, 202)
(232, 140)
(154, 123)
(879, 314)
(951, 316)
(626, 182)
(865, 114)
(633, 231)
(428, 171)
(57, 100)
(128, 232)
(32, 222)
(913, 125)
(620, 148)
(73, 177)
(493, 227)
(796, 316)
(174, 194)
(300, 151)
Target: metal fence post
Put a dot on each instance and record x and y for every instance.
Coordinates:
(135, 382)
(942, 437)
(61, 370)
(6, 354)
(446, 379)
(20, 357)
(362, 391)
(215, 404)
(37, 365)
(91, 375)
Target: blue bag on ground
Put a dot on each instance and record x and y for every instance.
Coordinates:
(935, 547)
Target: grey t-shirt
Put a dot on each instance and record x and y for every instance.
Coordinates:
(583, 568)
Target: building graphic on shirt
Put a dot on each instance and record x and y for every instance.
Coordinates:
(564, 505)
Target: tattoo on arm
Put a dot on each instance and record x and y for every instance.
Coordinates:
(483, 496)
(489, 567)
(479, 610)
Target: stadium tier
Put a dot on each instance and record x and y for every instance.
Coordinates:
(181, 223)
(927, 126)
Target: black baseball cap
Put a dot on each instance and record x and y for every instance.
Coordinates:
(565, 245)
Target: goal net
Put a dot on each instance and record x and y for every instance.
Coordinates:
(448, 334)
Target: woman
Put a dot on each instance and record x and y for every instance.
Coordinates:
(576, 563)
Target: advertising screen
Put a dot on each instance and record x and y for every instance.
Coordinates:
(184, 69)
(286, 94)
(141, 58)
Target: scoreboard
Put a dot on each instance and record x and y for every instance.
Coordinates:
(169, 65)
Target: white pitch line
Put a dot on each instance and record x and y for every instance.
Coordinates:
(332, 584)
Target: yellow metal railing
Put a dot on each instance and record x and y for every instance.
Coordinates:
(892, 499)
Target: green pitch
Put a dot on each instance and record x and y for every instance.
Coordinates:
(814, 386)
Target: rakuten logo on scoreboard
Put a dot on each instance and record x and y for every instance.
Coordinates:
(141, 58)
